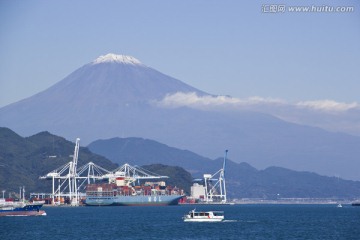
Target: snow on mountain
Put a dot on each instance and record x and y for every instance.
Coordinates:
(110, 57)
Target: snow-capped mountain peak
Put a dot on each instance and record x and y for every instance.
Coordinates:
(117, 59)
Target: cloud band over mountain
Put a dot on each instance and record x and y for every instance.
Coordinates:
(339, 116)
(191, 99)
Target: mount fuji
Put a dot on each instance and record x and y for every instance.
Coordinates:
(118, 96)
(108, 96)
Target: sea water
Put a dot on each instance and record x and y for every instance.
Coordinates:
(241, 222)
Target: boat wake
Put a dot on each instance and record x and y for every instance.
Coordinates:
(230, 221)
(18, 216)
(248, 221)
(26, 215)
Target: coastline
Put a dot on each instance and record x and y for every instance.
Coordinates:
(300, 201)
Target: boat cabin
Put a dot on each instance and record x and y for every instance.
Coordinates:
(208, 216)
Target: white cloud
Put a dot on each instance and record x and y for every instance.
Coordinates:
(209, 102)
(326, 114)
(180, 99)
(328, 105)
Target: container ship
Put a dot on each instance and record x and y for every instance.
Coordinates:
(121, 190)
(149, 194)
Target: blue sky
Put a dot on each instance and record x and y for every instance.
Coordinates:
(221, 47)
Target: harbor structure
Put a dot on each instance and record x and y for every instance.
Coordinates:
(212, 188)
(97, 185)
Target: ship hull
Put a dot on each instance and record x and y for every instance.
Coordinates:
(22, 213)
(133, 200)
(27, 210)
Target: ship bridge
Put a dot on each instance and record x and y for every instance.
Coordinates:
(127, 174)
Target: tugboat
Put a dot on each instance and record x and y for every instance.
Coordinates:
(208, 216)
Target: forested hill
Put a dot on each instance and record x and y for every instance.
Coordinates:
(24, 160)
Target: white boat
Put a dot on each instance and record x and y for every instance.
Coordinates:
(339, 205)
(208, 216)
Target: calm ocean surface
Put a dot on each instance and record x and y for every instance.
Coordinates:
(243, 222)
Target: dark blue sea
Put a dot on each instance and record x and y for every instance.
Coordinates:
(242, 222)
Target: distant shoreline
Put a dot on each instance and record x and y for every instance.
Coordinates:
(295, 201)
(282, 201)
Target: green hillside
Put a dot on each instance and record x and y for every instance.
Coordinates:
(24, 160)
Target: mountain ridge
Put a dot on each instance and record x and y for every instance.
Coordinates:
(24, 159)
(243, 180)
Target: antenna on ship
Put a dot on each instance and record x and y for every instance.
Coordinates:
(23, 193)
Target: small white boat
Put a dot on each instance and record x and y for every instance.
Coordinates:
(208, 216)
(339, 205)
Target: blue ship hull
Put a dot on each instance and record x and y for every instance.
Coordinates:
(13, 209)
(160, 200)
